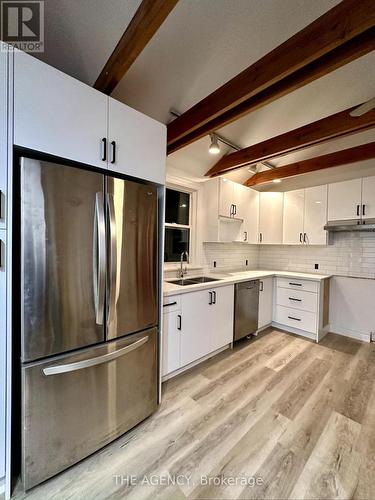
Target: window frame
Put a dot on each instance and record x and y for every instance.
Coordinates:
(192, 220)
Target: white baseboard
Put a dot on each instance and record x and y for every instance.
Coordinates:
(290, 329)
(194, 363)
(345, 332)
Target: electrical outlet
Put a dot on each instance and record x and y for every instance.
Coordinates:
(214, 263)
(316, 266)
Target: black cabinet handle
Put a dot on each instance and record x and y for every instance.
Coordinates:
(170, 304)
(235, 209)
(304, 237)
(295, 284)
(214, 295)
(358, 209)
(113, 151)
(245, 236)
(261, 286)
(210, 302)
(295, 300)
(300, 237)
(295, 319)
(104, 149)
(363, 209)
(179, 325)
(260, 237)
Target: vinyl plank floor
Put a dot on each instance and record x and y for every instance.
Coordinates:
(276, 417)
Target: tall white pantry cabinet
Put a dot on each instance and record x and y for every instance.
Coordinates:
(49, 112)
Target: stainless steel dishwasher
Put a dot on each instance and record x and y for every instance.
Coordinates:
(246, 305)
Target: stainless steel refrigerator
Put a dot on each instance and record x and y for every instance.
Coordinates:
(89, 312)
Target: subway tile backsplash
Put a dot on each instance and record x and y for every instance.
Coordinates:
(351, 254)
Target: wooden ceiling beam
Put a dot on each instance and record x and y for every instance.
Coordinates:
(344, 157)
(324, 130)
(346, 53)
(340, 24)
(149, 17)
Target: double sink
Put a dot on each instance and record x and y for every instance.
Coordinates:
(193, 281)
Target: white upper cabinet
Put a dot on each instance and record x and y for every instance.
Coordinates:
(344, 200)
(294, 207)
(226, 198)
(305, 215)
(315, 215)
(3, 132)
(136, 143)
(271, 218)
(251, 219)
(368, 198)
(56, 114)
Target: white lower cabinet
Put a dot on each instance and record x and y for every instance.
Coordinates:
(265, 302)
(301, 306)
(221, 317)
(196, 324)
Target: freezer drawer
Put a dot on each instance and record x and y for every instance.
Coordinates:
(75, 404)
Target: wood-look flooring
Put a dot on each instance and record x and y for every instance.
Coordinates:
(277, 417)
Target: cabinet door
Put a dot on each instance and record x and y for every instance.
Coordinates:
(171, 342)
(251, 216)
(221, 313)
(226, 197)
(241, 200)
(294, 203)
(368, 197)
(195, 326)
(344, 200)
(3, 131)
(271, 218)
(265, 302)
(315, 215)
(56, 114)
(2, 349)
(137, 143)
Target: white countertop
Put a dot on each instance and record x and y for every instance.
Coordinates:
(228, 278)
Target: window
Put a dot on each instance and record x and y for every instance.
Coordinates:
(177, 224)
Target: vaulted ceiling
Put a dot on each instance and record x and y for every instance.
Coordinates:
(201, 45)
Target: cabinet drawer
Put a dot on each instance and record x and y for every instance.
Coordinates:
(303, 320)
(297, 299)
(171, 304)
(298, 284)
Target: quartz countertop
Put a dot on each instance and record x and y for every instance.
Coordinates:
(229, 278)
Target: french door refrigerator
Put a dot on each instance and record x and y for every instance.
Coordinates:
(89, 312)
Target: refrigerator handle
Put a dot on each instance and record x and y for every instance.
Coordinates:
(99, 360)
(112, 259)
(99, 263)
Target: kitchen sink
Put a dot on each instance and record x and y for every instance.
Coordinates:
(203, 279)
(192, 281)
(182, 282)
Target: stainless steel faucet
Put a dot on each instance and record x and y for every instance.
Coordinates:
(183, 271)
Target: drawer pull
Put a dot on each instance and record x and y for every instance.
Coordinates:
(170, 304)
(295, 300)
(295, 284)
(295, 319)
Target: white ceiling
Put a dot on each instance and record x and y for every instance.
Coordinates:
(200, 46)
(80, 35)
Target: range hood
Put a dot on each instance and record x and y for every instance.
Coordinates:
(350, 225)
